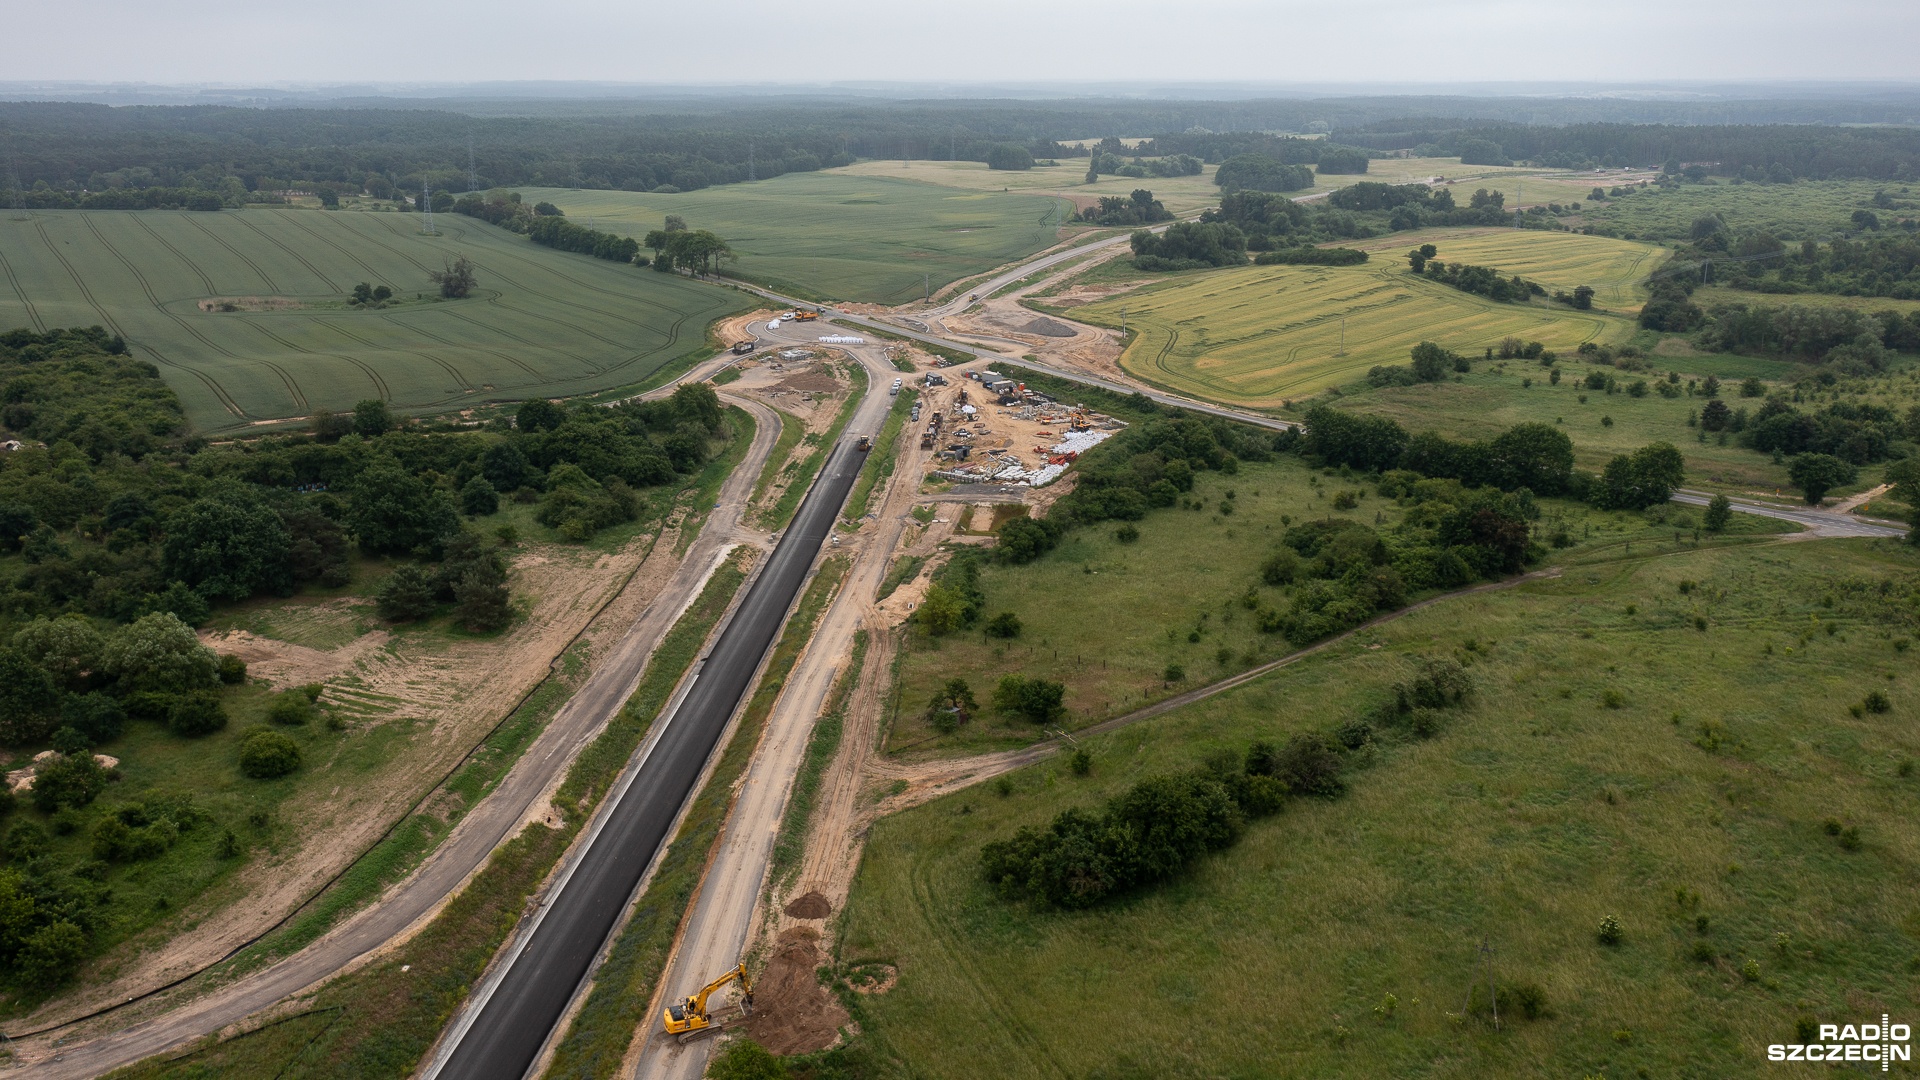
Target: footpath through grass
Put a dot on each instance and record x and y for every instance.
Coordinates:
(387, 1014)
(1684, 742)
(615, 1010)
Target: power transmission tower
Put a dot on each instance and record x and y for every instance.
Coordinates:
(426, 207)
(1483, 960)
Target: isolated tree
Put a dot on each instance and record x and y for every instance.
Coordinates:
(406, 594)
(1417, 261)
(1817, 474)
(1037, 700)
(393, 512)
(456, 279)
(942, 611)
(29, 700)
(372, 418)
(1646, 477)
(1535, 456)
(159, 653)
(481, 599)
(228, 545)
(196, 714)
(1093, 171)
(479, 498)
(1719, 514)
(675, 223)
(1583, 297)
(1009, 157)
(1716, 416)
(266, 754)
(67, 648)
(1004, 625)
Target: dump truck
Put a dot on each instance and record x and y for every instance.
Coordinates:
(806, 316)
(690, 1019)
(746, 346)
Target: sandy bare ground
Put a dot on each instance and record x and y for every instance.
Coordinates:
(1055, 340)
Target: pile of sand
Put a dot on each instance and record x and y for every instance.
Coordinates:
(792, 1012)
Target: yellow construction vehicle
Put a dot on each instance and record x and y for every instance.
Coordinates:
(690, 1018)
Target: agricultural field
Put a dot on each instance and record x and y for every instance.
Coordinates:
(1182, 195)
(540, 324)
(1173, 596)
(1809, 210)
(1721, 793)
(830, 235)
(1263, 335)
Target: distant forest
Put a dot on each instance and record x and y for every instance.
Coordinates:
(400, 145)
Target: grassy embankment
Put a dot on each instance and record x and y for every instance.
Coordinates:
(541, 323)
(380, 1019)
(1697, 785)
(828, 234)
(613, 1015)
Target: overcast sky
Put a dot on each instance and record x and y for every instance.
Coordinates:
(742, 41)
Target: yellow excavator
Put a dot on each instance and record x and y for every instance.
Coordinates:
(690, 1018)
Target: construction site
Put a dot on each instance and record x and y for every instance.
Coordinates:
(989, 429)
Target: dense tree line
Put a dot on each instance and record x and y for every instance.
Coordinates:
(1856, 341)
(546, 224)
(1311, 256)
(1261, 172)
(1867, 266)
(1190, 245)
(1140, 208)
(1536, 457)
(1776, 152)
(1109, 158)
(150, 198)
(1155, 830)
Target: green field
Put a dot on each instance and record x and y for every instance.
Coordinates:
(833, 236)
(1174, 596)
(1262, 335)
(541, 324)
(1810, 210)
(1693, 807)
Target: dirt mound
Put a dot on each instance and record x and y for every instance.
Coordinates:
(792, 1012)
(810, 906)
(810, 382)
(1046, 327)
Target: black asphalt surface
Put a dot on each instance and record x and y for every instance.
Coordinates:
(504, 1039)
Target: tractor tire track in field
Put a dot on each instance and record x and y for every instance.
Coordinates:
(331, 285)
(77, 280)
(33, 313)
(205, 281)
(293, 388)
(320, 236)
(265, 278)
(1010, 1020)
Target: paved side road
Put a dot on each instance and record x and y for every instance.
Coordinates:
(1822, 522)
(510, 1017)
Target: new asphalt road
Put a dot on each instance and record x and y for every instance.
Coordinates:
(503, 1029)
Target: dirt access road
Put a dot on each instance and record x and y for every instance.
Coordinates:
(520, 798)
(717, 931)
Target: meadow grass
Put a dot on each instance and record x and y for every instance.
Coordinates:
(828, 235)
(1107, 619)
(1809, 210)
(1695, 813)
(541, 323)
(1263, 335)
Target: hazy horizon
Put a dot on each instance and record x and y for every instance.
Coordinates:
(195, 42)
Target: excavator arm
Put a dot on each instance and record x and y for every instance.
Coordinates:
(691, 1015)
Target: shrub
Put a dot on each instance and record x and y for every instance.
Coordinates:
(196, 714)
(1126, 534)
(1612, 699)
(1877, 702)
(49, 957)
(1610, 933)
(1004, 625)
(1310, 765)
(744, 1059)
(1174, 673)
(232, 669)
(1516, 1000)
(266, 754)
(1441, 682)
(290, 707)
(1081, 762)
(406, 595)
(66, 781)
(1702, 952)
(1038, 700)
